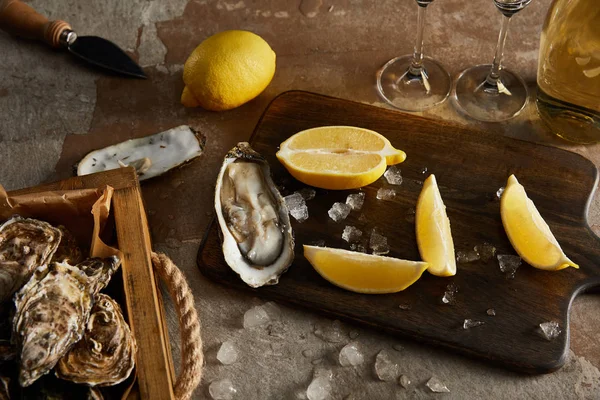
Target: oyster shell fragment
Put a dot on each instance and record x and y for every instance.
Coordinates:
(25, 244)
(106, 354)
(52, 310)
(258, 242)
(151, 155)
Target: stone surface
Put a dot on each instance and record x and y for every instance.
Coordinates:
(54, 110)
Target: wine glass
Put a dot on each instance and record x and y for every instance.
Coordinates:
(490, 92)
(414, 82)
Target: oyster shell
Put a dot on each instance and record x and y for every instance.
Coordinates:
(151, 155)
(67, 250)
(25, 244)
(4, 388)
(106, 354)
(258, 242)
(51, 312)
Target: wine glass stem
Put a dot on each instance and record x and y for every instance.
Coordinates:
(494, 74)
(417, 63)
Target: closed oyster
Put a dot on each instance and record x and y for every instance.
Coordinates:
(25, 244)
(51, 312)
(258, 242)
(68, 251)
(106, 354)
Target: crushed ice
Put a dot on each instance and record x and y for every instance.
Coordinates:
(509, 264)
(491, 312)
(356, 200)
(486, 251)
(499, 192)
(463, 257)
(358, 247)
(470, 323)
(227, 353)
(386, 194)
(297, 206)
(450, 294)
(404, 381)
(350, 355)
(307, 193)
(550, 330)
(378, 243)
(385, 368)
(255, 316)
(330, 332)
(405, 306)
(339, 211)
(222, 389)
(351, 234)
(393, 175)
(320, 387)
(436, 386)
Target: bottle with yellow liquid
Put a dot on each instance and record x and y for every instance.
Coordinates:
(568, 97)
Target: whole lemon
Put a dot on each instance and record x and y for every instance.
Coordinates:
(227, 70)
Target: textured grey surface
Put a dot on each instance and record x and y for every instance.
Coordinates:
(53, 110)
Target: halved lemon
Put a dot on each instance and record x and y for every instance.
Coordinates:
(363, 273)
(434, 237)
(527, 231)
(338, 157)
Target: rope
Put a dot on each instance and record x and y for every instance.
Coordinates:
(189, 324)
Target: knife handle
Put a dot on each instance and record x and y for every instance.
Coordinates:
(20, 19)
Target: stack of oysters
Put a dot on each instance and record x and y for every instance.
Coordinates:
(60, 320)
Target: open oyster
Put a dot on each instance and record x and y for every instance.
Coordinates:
(51, 312)
(150, 156)
(258, 242)
(25, 244)
(106, 354)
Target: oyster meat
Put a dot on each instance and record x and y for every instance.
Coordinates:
(258, 242)
(150, 156)
(25, 244)
(106, 354)
(52, 310)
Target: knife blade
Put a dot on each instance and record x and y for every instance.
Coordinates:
(20, 19)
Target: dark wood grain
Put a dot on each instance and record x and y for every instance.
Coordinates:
(154, 365)
(470, 166)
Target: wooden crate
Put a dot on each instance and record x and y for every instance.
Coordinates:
(154, 366)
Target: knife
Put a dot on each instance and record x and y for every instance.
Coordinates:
(20, 19)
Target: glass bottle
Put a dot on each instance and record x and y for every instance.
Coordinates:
(568, 79)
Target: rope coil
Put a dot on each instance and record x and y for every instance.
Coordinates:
(192, 357)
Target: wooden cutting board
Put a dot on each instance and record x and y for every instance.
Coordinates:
(470, 166)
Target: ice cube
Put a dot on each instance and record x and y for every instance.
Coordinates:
(320, 387)
(339, 211)
(227, 353)
(351, 234)
(436, 386)
(509, 264)
(385, 368)
(486, 251)
(386, 194)
(272, 309)
(297, 206)
(450, 294)
(404, 381)
(255, 316)
(550, 330)
(356, 200)
(499, 192)
(350, 355)
(378, 243)
(470, 323)
(491, 312)
(222, 389)
(308, 193)
(405, 307)
(463, 257)
(393, 175)
(330, 332)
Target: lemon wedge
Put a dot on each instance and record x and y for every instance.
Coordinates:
(434, 237)
(363, 273)
(527, 231)
(338, 157)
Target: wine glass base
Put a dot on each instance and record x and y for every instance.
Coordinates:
(409, 92)
(485, 102)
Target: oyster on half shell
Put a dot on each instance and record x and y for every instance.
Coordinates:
(52, 310)
(258, 242)
(25, 244)
(106, 354)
